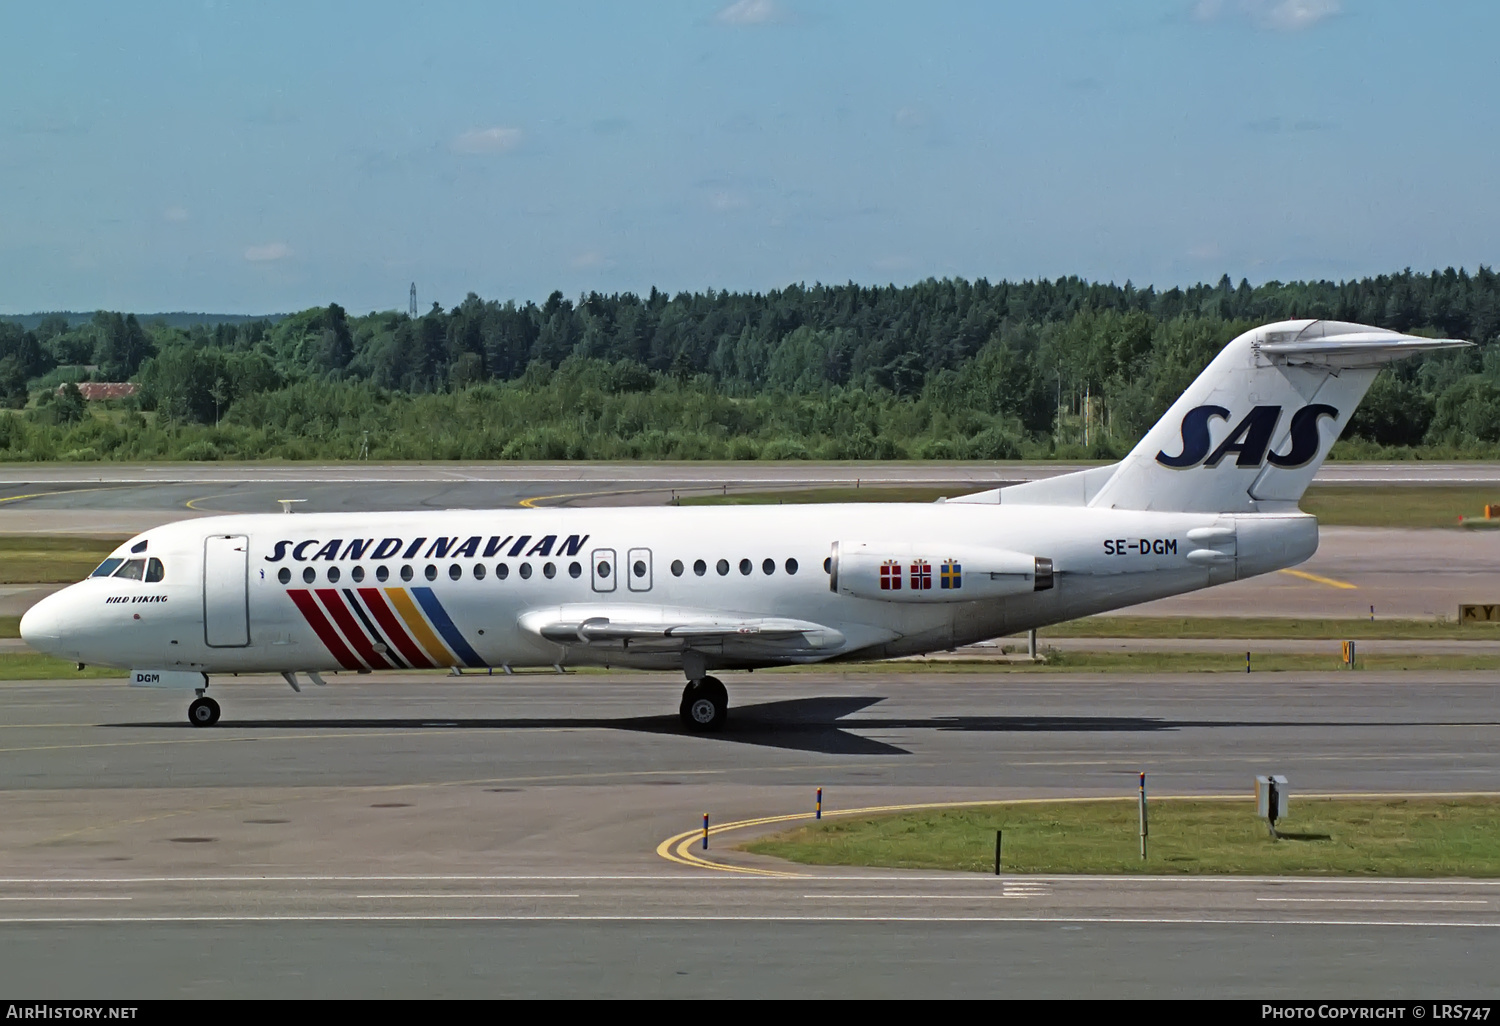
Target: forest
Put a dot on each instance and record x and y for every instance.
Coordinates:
(940, 369)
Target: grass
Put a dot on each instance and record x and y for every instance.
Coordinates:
(1416, 837)
(1398, 505)
(1268, 627)
(1333, 505)
(1164, 662)
(32, 666)
(881, 493)
(50, 558)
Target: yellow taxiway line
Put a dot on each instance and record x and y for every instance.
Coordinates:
(1319, 579)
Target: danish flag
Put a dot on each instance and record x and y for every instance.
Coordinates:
(890, 576)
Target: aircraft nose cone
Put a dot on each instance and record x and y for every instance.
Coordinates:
(42, 625)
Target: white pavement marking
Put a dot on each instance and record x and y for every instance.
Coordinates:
(64, 897)
(377, 917)
(440, 894)
(1384, 901)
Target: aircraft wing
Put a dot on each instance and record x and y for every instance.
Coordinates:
(669, 630)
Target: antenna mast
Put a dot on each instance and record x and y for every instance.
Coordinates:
(411, 305)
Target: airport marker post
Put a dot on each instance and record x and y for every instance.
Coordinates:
(818, 812)
(705, 831)
(1142, 818)
(997, 853)
(1247, 662)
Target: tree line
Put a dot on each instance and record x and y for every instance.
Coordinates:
(942, 369)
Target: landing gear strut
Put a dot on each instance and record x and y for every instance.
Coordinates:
(705, 704)
(203, 713)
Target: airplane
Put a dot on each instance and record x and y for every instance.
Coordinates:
(1209, 495)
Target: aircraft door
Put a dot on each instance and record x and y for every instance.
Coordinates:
(602, 569)
(639, 565)
(226, 591)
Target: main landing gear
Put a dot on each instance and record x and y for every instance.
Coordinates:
(204, 712)
(705, 704)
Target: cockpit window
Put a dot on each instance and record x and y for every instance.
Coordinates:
(107, 567)
(133, 570)
(154, 570)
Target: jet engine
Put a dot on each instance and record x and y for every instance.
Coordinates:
(901, 572)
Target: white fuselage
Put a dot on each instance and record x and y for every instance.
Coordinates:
(357, 592)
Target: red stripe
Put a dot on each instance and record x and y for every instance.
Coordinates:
(393, 629)
(352, 630)
(320, 625)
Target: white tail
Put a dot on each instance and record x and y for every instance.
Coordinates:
(1249, 434)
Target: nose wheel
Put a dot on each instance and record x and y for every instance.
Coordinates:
(203, 713)
(705, 704)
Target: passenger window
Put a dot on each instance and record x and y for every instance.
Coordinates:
(550, 569)
(791, 565)
(358, 573)
(676, 568)
(106, 568)
(382, 573)
(285, 576)
(768, 567)
(502, 571)
(455, 572)
(699, 567)
(406, 573)
(309, 575)
(333, 575)
(132, 570)
(478, 571)
(574, 570)
(154, 570)
(525, 571)
(746, 567)
(431, 572)
(722, 566)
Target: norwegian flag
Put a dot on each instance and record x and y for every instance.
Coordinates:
(890, 575)
(921, 575)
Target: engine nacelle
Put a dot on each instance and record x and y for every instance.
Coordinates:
(904, 572)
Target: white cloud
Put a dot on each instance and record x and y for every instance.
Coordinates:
(750, 12)
(175, 214)
(1277, 15)
(593, 258)
(487, 140)
(725, 200)
(269, 251)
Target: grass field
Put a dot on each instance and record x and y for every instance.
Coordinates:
(49, 558)
(1333, 505)
(1167, 662)
(1386, 837)
(1268, 627)
(33, 666)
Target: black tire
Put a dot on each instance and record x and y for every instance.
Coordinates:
(705, 705)
(203, 713)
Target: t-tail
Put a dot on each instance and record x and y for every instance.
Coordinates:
(1249, 434)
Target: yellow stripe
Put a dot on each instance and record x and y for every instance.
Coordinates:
(1317, 579)
(413, 617)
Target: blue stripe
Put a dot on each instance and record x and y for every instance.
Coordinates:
(439, 617)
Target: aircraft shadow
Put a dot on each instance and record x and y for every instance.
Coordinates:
(821, 724)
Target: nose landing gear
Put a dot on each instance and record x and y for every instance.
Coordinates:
(204, 712)
(705, 704)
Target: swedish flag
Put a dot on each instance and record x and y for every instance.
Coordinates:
(951, 575)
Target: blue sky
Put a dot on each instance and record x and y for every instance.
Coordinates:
(257, 157)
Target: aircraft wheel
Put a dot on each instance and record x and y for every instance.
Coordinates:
(203, 713)
(705, 704)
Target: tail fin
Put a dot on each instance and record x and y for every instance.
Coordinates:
(1253, 429)
(1249, 434)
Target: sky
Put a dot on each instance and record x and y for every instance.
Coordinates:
(259, 157)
